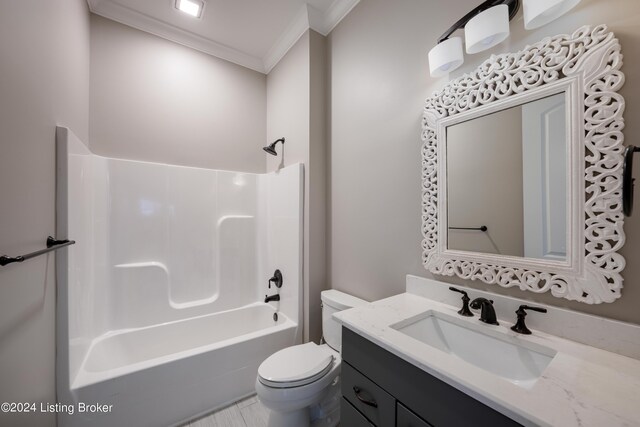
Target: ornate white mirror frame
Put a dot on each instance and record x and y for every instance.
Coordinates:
(586, 67)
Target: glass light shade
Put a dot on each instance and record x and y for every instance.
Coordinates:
(446, 57)
(540, 12)
(487, 29)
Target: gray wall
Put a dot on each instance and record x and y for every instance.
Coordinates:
(379, 79)
(317, 177)
(44, 81)
(155, 100)
(296, 110)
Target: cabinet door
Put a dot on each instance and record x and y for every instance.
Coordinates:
(350, 417)
(406, 418)
(375, 403)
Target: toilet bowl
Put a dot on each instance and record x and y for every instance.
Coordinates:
(300, 385)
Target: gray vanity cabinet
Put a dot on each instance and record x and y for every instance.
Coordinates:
(406, 418)
(350, 417)
(381, 389)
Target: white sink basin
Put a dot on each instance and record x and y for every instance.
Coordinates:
(481, 345)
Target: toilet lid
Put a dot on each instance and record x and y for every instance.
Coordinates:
(295, 366)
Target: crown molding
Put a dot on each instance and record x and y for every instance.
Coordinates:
(140, 21)
(332, 17)
(287, 39)
(307, 18)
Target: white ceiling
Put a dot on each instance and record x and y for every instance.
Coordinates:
(253, 33)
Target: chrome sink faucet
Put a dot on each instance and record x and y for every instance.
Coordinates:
(487, 313)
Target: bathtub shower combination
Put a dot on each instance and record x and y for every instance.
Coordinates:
(161, 308)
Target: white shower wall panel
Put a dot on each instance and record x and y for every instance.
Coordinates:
(178, 234)
(192, 231)
(88, 273)
(280, 228)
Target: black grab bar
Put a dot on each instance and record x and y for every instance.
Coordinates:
(52, 245)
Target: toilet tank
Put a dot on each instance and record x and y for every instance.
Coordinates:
(332, 302)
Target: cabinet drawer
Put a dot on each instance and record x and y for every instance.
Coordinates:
(375, 403)
(406, 418)
(350, 417)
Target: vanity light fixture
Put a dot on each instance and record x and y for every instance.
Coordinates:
(485, 26)
(191, 7)
(446, 57)
(540, 12)
(487, 29)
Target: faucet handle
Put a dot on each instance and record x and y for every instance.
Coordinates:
(276, 279)
(520, 327)
(464, 311)
(532, 308)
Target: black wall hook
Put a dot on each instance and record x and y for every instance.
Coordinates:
(628, 180)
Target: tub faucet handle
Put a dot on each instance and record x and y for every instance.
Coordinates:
(276, 279)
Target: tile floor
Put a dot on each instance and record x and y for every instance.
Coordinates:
(248, 412)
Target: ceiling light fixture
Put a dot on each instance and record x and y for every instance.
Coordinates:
(540, 12)
(191, 7)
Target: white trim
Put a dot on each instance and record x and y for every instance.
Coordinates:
(586, 66)
(307, 18)
(332, 17)
(140, 21)
(287, 39)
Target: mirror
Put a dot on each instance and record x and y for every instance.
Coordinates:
(522, 170)
(506, 181)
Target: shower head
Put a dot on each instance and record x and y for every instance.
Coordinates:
(271, 148)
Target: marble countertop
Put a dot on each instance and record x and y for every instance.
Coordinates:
(582, 386)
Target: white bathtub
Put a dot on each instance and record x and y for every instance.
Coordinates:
(165, 374)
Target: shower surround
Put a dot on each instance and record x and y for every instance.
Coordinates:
(161, 307)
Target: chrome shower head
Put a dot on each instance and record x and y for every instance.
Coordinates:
(271, 148)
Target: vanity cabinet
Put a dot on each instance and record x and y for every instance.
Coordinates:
(381, 389)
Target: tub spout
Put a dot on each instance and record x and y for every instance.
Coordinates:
(269, 298)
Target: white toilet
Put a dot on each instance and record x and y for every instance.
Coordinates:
(300, 385)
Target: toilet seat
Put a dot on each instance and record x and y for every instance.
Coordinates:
(295, 366)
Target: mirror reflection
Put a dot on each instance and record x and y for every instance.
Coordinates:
(521, 209)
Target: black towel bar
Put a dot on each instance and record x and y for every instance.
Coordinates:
(52, 245)
(628, 180)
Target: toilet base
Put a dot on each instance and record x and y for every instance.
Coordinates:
(298, 418)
